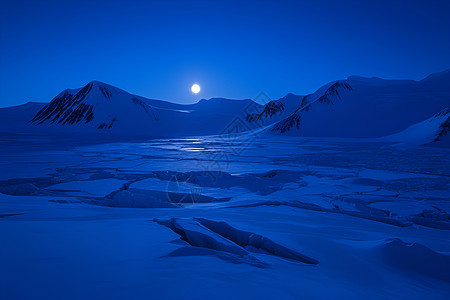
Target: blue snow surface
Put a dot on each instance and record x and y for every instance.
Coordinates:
(243, 217)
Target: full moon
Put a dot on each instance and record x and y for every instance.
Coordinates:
(195, 88)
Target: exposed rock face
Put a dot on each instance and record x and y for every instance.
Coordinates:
(146, 107)
(67, 108)
(107, 111)
(288, 123)
(105, 91)
(444, 128)
(106, 125)
(294, 119)
(333, 91)
(270, 109)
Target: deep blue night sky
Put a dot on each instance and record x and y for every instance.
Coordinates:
(233, 49)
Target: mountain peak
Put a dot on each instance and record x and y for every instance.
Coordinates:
(96, 82)
(99, 83)
(98, 86)
(75, 106)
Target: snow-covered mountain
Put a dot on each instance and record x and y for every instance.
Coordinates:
(77, 107)
(99, 108)
(433, 131)
(358, 107)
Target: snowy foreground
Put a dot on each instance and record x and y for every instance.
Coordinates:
(250, 217)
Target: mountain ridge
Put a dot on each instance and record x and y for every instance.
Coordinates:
(357, 107)
(370, 108)
(99, 108)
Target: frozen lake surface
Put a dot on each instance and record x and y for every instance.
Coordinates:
(244, 217)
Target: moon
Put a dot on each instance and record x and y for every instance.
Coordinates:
(195, 88)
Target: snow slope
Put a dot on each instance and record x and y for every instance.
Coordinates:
(15, 119)
(432, 131)
(360, 107)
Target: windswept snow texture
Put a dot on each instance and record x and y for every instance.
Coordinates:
(222, 237)
(254, 242)
(249, 216)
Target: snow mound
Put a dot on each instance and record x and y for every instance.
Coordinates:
(220, 236)
(261, 183)
(251, 241)
(416, 258)
(202, 238)
(138, 198)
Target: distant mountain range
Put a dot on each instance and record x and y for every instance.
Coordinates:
(357, 107)
(365, 108)
(104, 110)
